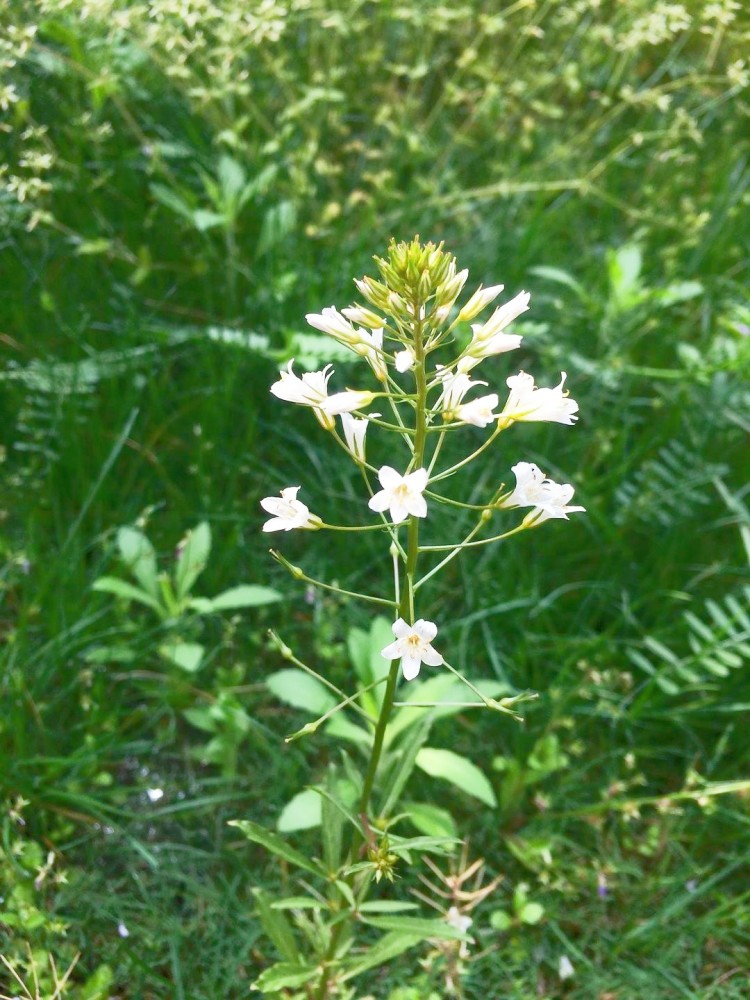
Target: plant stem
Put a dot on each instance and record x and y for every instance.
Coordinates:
(405, 610)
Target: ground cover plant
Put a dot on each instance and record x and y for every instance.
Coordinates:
(180, 184)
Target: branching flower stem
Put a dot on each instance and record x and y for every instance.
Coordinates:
(406, 611)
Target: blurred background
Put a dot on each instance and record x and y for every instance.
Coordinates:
(180, 182)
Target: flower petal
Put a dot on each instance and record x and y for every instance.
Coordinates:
(417, 480)
(389, 478)
(410, 667)
(425, 630)
(380, 502)
(391, 651)
(431, 657)
(400, 628)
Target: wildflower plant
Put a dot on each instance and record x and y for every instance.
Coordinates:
(410, 331)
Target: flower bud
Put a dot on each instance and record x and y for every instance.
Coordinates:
(481, 298)
(357, 314)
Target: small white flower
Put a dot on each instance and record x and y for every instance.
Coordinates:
(289, 512)
(372, 350)
(455, 387)
(565, 968)
(412, 646)
(154, 794)
(461, 921)
(402, 495)
(479, 411)
(310, 390)
(502, 317)
(355, 429)
(481, 298)
(122, 930)
(405, 360)
(331, 321)
(526, 402)
(347, 401)
(548, 498)
(488, 339)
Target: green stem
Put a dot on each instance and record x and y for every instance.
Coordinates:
(405, 607)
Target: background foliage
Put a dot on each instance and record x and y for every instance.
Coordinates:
(181, 181)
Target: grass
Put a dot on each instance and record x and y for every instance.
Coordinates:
(124, 403)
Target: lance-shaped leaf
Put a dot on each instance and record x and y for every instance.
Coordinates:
(460, 771)
(276, 845)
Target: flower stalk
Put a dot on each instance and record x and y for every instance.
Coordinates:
(411, 305)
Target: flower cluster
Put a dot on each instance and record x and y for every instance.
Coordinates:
(407, 316)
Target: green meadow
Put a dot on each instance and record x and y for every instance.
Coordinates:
(181, 182)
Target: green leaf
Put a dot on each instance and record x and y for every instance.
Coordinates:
(386, 906)
(388, 947)
(204, 219)
(273, 843)
(342, 728)
(97, 986)
(431, 820)
(441, 688)
(500, 920)
(231, 177)
(531, 913)
(301, 812)
(299, 690)
(460, 771)
(435, 845)
(405, 759)
(201, 718)
(561, 277)
(418, 927)
(298, 903)
(285, 974)
(121, 588)
(171, 200)
(277, 927)
(277, 223)
(188, 656)
(195, 549)
(624, 267)
(246, 595)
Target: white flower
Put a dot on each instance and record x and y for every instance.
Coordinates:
(347, 401)
(405, 360)
(526, 402)
(488, 339)
(478, 411)
(565, 968)
(548, 498)
(402, 495)
(461, 921)
(413, 647)
(372, 350)
(355, 429)
(481, 298)
(455, 387)
(331, 321)
(502, 317)
(310, 390)
(289, 512)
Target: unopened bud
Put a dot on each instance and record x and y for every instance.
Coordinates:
(364, 317)
(481, 298)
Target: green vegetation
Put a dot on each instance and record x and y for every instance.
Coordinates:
(181, 181)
